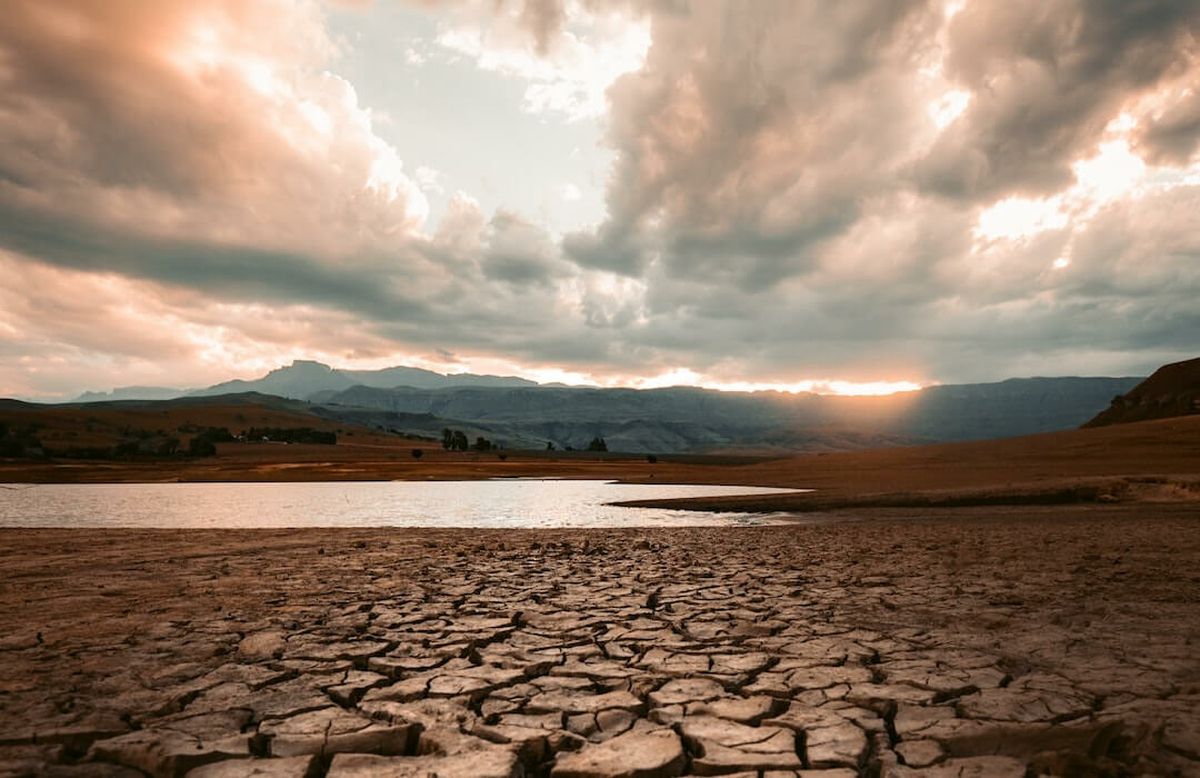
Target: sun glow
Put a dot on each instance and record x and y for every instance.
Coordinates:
(675, 377)
(1112, 173)
(687, 377)
(1020, 217)
(844, 388)
(949, 107)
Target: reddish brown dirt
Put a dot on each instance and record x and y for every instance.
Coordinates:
(986, 642)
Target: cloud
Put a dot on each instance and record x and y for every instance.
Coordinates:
(201, 148)
(519, 253)
(64, 330)
(1045, 80)
(750, 135)
(834, 191)
(567, 56)
(207, 122)
(1173, 135)
(863, 192)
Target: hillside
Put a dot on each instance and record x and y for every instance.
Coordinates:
(1153, 461)
(94, 430)
(1173, 390)
(131, 393)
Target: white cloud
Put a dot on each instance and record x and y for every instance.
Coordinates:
(579, 61)
(429, 179)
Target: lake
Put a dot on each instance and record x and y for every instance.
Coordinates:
(493, 504)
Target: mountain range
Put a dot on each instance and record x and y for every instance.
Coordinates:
(303, 378)
(523, 414)
(693, 419)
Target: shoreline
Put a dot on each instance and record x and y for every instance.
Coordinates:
(1136, 463)
(1142, 488)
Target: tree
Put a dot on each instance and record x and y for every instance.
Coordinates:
(482, 444)
(454, 440)
(549, 445)
(651, 458)
(597, 444)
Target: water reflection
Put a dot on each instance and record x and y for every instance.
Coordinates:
(497, 504)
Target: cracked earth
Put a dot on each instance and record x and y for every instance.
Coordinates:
(1056, 642)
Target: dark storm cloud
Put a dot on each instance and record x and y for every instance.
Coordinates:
(1045, 80)
(1174, 136)
(610, 247)
(752, 134)
(237, 273)
(521, 253)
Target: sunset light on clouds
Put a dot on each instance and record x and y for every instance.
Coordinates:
(845, 197)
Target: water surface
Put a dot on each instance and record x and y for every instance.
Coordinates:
(494, 504)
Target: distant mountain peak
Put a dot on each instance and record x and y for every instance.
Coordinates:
(131, 393)
(304, 365)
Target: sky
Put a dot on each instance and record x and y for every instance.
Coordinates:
(853, 197)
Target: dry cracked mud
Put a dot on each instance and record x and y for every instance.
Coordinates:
(1056, 642)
